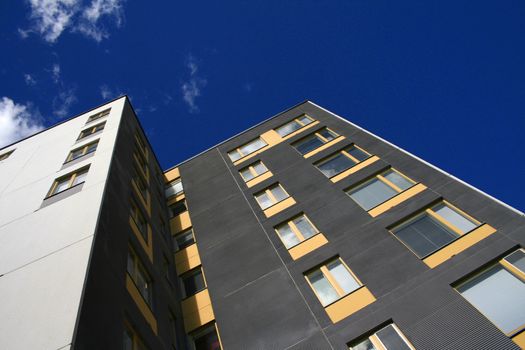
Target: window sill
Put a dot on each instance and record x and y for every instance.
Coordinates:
(308, 245)
(349, 304)
(278, 207)
(61, 195)
(354, 169)
(187, 259)
(259, 178)
(397, 199)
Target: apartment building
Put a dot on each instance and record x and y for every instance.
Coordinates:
(302, 232)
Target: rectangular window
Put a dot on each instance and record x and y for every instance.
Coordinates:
(5, 155)
(498, 292)
(332, 281)
(140, 220)
(178, 208)
(253, 170)
(67, 181)
(387, 338)
(141, 142)
(296, 230)
(183, 239)
(141, 185)
(131, 340)
(91, 130)
(270, 196)
(294, 125)
(143, 164)
(380, 189)
(314, 140)
(517, 259)
(341, 161)
(206, 339)
(82, 151)
(140, 277)
(434, 228)
(173, 188)
(247, 149)
(193, 282)
(98, 115)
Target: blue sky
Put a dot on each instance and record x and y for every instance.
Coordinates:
(444, 80)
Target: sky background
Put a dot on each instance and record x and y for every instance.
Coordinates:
(444, 80)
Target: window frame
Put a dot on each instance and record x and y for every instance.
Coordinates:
(86, 132)
(171, 185)
(251, 169)
(98, 115)
(315, 134)
(441, 221)
(72, 177)
(137, 343)
(193, 272)
(242, 155)
(345, 153)
(171, 216)
(293, 227)
(376, 340)
(136, 214)
(138, 267)
(175, 242)
(270, 195)
(84, 149)
(296, 120)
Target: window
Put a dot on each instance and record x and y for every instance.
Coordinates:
(341, 161)
(253, 170)
(315, 140)
(139, 220)
(270, 196)
(67, 181)
(247, 149)
(91, 130)
(498, 292)
(380, 189)
(141, 185)
(193, 282)
(173, 188)
(143, 164)
(98, 115)
(294, 125)
(296, 230)
(206, 339)
(387, 338)
(131, 340)
(332, 281)
(434, 228)
(177, 208)
(183, 239)
(5, 155)
(141, 143)
(140, 277)
(82, 151)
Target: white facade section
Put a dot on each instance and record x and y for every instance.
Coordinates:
(44, 251)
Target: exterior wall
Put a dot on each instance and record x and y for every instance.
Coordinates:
(44, 250)
(259, 293)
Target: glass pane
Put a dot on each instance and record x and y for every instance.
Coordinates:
(372, 194)
(517, 259)
(397, 180)
(288, 128)
(263, 200)
(81, 177)
(391, 339)
(246, 174)
(178, 208)
(127, 340)
(453, 217)
(499, 295)
(208, 341)
(234, 155)
(193, 283)
(99, 127)
(305, 227)
(425, 235)
(75, 154)
(279, 193)
(260, 168)
(62, 185)
(305, 120)
(92, 147)
(343, 276)
(184, 239)
(323, 288)
(252, 146)
(357, 153)
(288, 237)
(336, 165)
(308, 144)
(363, 345)
(327, 134)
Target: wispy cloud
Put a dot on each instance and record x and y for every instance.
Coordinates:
(50, 18)
(106, 92)
(17, 121)
(55, 73)
(30, 81)
(191, 89)
(63, 101)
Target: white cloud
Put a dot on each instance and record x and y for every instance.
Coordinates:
(192, 88)
(17, 121)
(55, 73)
(50, 18)
(30, 81)
(107, 93)
(63, 102)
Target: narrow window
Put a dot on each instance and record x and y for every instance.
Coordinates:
(332, 281)
(98, 115)
(387, 338)
(140, 220)
(294, 125)
(143, 164)
(314, 140)
(140, 277)
(206, 339)
(141, 185)
(173, 188)
(91, 130)
(177, 208)
(270, 196)
(5, 155)
(296, 230)
(82, 151)
(253, 170)
(247, 149)
(193, 282)
(341, 161)
(434, 228)
(183, 239)
(131, 340)
(67, 181)
(380, 189)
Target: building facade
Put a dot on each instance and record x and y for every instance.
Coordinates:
(303, 232)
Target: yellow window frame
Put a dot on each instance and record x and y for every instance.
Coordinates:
(251, 169)
(91, 130)
(84, 151)
(270, 195)
(294, 228)
(298, 121)
(72, 176)
(98, 115)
